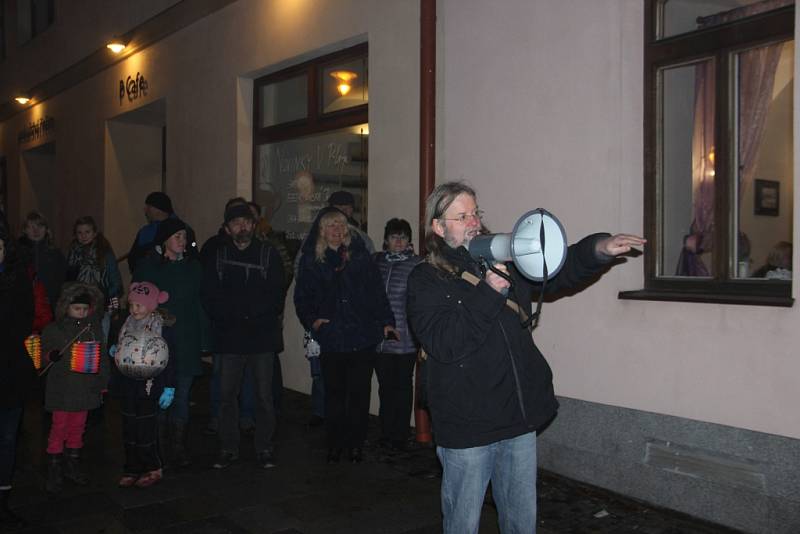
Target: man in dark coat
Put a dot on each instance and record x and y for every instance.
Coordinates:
(489, 387)
(243, 293)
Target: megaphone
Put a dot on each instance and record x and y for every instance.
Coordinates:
(538, 241)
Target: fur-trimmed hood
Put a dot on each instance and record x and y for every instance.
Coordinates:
(73, 289)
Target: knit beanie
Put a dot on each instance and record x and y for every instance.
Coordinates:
(238, 210)
(341, 198)
(159, 200)
(147, 294)
(167, 228)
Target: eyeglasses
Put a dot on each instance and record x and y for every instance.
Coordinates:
(464, 217)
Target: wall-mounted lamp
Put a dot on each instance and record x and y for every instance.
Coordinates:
(344, 77)
(22, 99)
(116, 45)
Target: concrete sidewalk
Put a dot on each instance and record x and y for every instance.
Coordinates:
(387, 493)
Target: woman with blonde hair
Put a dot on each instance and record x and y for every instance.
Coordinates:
(339, 298)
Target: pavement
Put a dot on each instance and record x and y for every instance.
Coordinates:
(390, 492)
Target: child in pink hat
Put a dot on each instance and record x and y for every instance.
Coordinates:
(144, 380)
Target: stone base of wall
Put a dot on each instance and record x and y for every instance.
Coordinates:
(739, 478)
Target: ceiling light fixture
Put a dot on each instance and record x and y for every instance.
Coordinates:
(22, 99)
(344, 77)
(116, 45)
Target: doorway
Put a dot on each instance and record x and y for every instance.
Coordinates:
(135, 165)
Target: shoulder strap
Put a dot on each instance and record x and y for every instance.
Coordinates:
(222, 255)
(263, 259)
(474, 280)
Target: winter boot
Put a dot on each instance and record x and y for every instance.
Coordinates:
(55, 475)
(8, 519)
(180, 458)
(72, 468)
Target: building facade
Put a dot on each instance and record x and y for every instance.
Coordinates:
(539, 103)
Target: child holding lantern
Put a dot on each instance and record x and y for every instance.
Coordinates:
(77, 374)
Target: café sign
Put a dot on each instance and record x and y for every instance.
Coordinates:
(133, 88)
(36, 130)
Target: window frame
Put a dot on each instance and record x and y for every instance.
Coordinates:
(315, 121)
(722, 43)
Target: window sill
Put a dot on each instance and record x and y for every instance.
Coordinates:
(706, 297)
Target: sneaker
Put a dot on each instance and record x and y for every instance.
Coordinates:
(148, 479)
(127, 481)
(225, 459)
(266, 459)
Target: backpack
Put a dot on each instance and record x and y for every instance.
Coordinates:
(262, 265)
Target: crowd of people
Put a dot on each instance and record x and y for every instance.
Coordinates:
(68, 318)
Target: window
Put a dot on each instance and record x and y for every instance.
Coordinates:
(719, 151)
(311, 139)
(33, 17)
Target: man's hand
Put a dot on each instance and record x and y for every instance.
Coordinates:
(318, 323)
(619, 244)
(497, 282)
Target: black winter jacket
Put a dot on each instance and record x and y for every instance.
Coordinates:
(487, 380)
(17, 375)
(244, 301)
(350, 295)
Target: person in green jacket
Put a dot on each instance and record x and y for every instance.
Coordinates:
(181, 277)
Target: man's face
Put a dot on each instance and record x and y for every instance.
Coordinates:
(345, 208)
(241, 230)
(449, 226)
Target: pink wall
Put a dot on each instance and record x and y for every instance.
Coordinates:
(541, 106)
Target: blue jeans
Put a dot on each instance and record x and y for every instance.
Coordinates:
(179, 411)
(511, 467)
(9, 425)
(232, 372)
(247, 397)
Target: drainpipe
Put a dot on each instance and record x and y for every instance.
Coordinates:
(427, 157)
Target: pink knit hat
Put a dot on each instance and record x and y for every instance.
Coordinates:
(147, 294)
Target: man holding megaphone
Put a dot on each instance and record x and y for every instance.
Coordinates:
(489, 387)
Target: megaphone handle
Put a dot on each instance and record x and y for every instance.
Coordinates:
(499, 273)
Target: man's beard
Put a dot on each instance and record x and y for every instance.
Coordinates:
(451, 241)
(243, 238)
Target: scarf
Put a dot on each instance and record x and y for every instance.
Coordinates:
(392, 257)
(84, 267)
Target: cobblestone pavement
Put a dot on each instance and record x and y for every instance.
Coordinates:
(387, 493)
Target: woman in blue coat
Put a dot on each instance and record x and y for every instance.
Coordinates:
(339, 298)
(396, 356)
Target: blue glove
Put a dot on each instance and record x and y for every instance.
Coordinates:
(112, 350)
(166, 398)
